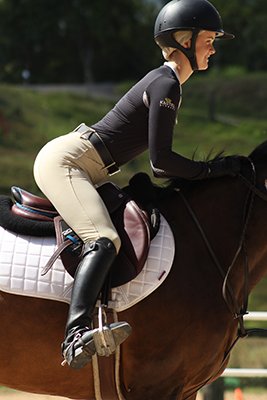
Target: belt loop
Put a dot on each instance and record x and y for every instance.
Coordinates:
(84, 130)
(91, 135)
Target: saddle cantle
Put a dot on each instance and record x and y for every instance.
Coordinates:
(130, 220)
(32, 207)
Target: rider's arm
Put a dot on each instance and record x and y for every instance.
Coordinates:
(164, 98)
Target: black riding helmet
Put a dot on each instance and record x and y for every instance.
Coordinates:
(187, 15)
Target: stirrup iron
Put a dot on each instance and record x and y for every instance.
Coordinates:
(108, 337)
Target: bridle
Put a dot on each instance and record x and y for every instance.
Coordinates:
(238, 313)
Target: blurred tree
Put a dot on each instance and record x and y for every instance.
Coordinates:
(247, 20)
(76, 40)
(82, 40)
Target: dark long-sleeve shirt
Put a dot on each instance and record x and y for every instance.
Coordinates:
(144, 119)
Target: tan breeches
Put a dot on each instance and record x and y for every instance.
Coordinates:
(67, 170)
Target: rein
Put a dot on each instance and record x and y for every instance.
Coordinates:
(238, 313)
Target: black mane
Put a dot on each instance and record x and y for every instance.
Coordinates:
(257, 156)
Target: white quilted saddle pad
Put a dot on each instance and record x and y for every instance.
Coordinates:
(23, 257)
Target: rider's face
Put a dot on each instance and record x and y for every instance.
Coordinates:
(204, 48)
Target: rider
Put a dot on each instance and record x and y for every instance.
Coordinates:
(69, 167)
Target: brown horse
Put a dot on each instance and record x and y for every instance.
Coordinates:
(182, 331)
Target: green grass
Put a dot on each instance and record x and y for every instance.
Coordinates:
(4, 390)
(29, 119)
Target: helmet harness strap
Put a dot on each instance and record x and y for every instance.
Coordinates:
(169, 41)
(191, 52)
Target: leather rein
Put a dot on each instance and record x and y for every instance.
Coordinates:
(237, 313)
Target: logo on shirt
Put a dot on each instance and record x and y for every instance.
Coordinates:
(167, 103)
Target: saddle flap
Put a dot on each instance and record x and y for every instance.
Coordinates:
(133, 229)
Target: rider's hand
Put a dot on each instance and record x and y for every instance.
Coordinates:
(229, 165)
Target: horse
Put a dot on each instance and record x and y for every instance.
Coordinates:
(183, 332)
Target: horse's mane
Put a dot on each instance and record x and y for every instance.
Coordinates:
(181, 183)
(257, 156)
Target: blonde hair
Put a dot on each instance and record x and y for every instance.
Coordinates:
(181, 37)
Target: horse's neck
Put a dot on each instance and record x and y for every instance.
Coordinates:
(256, 242)
(219, 208)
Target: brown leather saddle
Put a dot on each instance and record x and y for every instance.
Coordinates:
(130, 219)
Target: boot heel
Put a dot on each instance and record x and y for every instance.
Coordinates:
(79, 353)
(79, 359)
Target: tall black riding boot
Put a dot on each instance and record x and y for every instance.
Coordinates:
(90, 276)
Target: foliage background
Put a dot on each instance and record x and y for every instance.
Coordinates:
(81, 40)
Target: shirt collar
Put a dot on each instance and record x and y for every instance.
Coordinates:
(170, 65)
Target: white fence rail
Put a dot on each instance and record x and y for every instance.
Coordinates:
(245, 372)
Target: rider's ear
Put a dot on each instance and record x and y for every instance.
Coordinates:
(187, 44)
